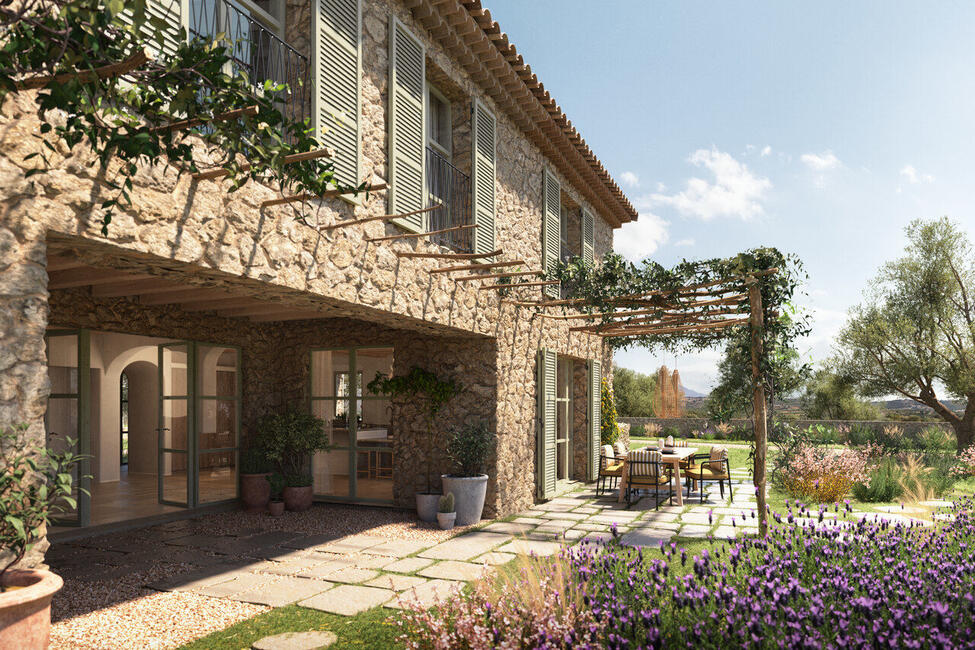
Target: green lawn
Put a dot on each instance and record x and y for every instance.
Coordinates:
(376, 628)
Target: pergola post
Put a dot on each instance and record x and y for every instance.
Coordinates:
(758, 401)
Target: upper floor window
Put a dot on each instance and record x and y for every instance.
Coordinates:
(438, 121)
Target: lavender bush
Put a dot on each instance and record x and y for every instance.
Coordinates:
(856, 584)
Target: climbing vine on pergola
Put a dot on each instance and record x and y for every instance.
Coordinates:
(692, 306)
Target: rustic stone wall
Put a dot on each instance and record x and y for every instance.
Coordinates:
(580, 421)
(199, 234)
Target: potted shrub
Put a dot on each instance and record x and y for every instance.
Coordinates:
(445, 511)
(255, 490)
(34, 486)
(432, 393)
(275, 486)
(290, 439)
(469, 448)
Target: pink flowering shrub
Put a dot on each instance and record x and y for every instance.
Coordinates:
(966, 460)
(539, 605)
(826, 475)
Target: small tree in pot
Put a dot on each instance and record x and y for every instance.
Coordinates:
(290, 439)
(469, 448)
(255, 491)
(35, 485)
(433, 393)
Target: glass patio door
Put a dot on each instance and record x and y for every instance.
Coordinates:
(218, 399)
(176, 430)
(67, 419)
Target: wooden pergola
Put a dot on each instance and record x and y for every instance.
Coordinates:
(687, 310)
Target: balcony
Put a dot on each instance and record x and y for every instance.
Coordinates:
(450, 187)
(257, 51)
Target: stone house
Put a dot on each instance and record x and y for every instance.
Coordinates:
(160, 345)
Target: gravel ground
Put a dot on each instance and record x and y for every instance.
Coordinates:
(105, 605)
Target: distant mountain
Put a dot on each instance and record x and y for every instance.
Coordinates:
(690, 392)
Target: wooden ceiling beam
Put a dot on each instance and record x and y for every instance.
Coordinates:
(134, 288)
(219, 303)
(183, 296)
(63, 263)
(89, 276)
(260, 309)
(288, 315)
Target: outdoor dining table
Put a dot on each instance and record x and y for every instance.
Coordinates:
(673, 459)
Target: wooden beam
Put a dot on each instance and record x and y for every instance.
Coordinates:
(220, 172)
(654, 331)
(513, 274)
(324, 195)
(415, 235)
(292, 315)
(63, 263)
(517, 285)
(260, 309)
(477, 267)
(219, 303)
(447, 256)
(668, 317)
(385, 217)
(88, 277)
(133, 288)
(199, 121)
(185, 296)
(758, 402)
(730, 300)
(84, 76)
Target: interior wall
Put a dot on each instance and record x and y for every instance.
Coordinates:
(143, 417)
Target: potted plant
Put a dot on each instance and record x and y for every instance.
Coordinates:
(445, 511)
(255, 490)
(290, 439)
(275, 485)
(469, 448)
(34, 486)
(432, 393)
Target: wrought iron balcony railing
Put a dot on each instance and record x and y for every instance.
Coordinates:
(449, 186)
(257, 51)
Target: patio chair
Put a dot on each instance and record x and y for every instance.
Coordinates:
(610, 469)
(714, 466)
(645, 471)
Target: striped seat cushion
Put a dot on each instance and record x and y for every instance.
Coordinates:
(639, 465)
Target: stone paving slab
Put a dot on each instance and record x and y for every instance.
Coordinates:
(372, 561)
(396, 582)
(597, 538)
(310, 541)
(529, 547)
(196, 579)
(661, 516)
(352, 544)
(453, 570)
(289, 568)
(283, 592)
(510, 527)
(323, 571)
(563, 516)
(239, 582)
(348, 600)
(662, 525)
(726, 532)
(397, 548)
(615, 518)
(646, 537)
(534, 521)
(426, 595)
(702, 519)
(296, 641)
(555, 525)
(494, 558)
(352, 575)
(693, 530)
(552, 506)
(572, 534)
(592, 527)
(465, 547)
(408, 565)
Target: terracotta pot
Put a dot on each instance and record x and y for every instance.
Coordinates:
(25, 613)
(255, 491)
(297, 498)
(275, 508)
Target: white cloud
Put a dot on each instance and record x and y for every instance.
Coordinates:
(630, 178)
(640, 239)
(661, 187)
(684, 242)
(914, 177)
(766, 151)
(820, 162)
(735, 191)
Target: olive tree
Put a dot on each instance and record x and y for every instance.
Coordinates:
(914, 333)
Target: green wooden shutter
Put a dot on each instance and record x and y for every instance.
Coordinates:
(336, 68)
(545, 454)
(551, 225)
(484, 131)
(407, 142)
(595, 416)
(588, 237)
(173, 13)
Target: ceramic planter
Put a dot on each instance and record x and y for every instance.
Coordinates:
(446, 520)
(25, 613)
(426, 506)
(255, 491)
(297, 498)
(275, 508)
(469, 493)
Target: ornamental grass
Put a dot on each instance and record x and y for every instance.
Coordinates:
(855, 584)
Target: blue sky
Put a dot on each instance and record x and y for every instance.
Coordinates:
(821, 128)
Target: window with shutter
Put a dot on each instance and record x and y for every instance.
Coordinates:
(336, 68)
(551, 223)
(547, 419)
(407, 81)
(484, 132)
(588, 237)
(595, 416)
(173, 13)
